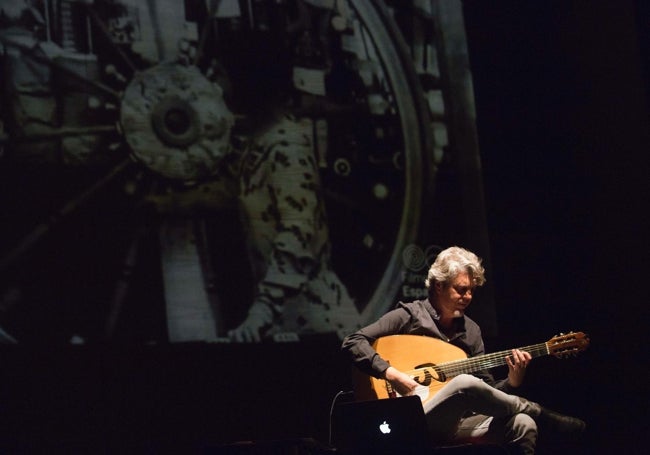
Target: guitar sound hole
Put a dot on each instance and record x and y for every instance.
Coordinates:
(431, 373)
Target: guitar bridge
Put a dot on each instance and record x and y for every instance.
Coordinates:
(389, 388)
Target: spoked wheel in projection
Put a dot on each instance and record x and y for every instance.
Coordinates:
(110, 107)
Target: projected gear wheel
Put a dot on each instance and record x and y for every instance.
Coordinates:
(377, 170)
(176, 122)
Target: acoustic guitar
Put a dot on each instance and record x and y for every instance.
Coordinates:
(432, 362)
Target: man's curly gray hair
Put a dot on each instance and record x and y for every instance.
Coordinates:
(451, 262)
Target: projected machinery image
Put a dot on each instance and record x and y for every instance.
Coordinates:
(231, 171)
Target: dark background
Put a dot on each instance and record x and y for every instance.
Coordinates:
(562, 115)
(562, 108)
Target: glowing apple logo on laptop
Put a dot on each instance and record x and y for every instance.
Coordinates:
(384, 428)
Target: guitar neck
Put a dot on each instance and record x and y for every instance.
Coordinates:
(487, 361)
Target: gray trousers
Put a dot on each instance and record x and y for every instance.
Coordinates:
(469, 410)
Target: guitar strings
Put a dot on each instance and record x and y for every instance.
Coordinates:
(487, 361)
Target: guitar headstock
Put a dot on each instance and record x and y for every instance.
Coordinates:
(567, 344)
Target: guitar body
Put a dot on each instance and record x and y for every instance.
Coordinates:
(407, 353)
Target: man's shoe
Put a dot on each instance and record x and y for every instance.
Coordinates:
(561, 424)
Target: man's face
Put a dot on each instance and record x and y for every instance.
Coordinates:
(454, 297)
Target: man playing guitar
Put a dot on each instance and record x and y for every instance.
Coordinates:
(465, 407)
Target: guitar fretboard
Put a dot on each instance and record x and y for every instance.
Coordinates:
(487, 361)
